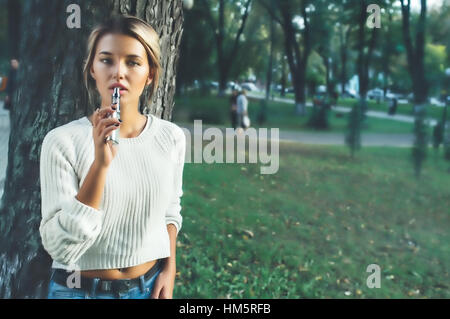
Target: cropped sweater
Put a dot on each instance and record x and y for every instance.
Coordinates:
(141, 196)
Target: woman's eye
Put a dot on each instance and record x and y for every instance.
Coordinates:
(108, 61)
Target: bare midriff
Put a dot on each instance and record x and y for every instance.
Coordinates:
(122, 273)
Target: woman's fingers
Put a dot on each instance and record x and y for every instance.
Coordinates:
(108, 131)
(102, 113)
(102, 121)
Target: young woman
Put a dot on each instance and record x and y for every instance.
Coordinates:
(111, 212)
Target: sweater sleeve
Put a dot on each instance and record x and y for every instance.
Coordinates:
(68, 227)
(173, 215)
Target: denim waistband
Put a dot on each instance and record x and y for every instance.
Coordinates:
(93, 285)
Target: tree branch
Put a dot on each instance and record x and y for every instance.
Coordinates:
(271, 12)
(239, 33)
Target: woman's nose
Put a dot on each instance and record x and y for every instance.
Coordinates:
(119, 70)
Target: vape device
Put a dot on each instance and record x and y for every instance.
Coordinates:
(114, 137)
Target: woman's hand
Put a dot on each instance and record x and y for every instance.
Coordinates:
(163, 287)
(103, 127)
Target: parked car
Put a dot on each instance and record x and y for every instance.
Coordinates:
(349, 93)
(375, 94)
(214, 85)
(437, 102)
(233, 86)
(248, 86)
(390, 95)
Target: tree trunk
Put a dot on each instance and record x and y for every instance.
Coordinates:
(344, 37)
(297, 60)
(50, 93)
(388, 50)
(225, 60)
(269, 67)
(283, 76)
(362, 77)
(416, 56)
(14, 9)
(221, 59)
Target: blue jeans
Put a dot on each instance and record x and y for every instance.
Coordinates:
(57, 291)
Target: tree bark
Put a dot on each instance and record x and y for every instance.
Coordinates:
(297, 60)
(344, 39)
(364, 58)
(283, 75)
(416, 55)
(14, 9)
(269, 67)
(50, 93)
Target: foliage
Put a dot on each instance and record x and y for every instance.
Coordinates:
(319, 117)
(435, 58)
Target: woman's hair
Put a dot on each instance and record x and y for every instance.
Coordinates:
(126, 25)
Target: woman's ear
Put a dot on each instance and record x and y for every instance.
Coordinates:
(151, 74)
(92, 72)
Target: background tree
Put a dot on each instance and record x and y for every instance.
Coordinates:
(416, 51)
(365, 47)
(197, 55)
(297, 58)
(227, 40)
(415, 54)
(51, 93)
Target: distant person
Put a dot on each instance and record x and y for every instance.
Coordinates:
(11, 84)
(233, 109)
(242, 106)
(393, 106)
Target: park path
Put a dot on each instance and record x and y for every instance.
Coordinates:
(346, 109)
(319, 138)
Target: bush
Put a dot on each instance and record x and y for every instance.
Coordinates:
(319, 118)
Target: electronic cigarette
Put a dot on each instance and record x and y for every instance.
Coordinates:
(114, 137)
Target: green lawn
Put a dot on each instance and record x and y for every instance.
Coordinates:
(311, 230)
(215, 111)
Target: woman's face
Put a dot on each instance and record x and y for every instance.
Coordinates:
(120, 59)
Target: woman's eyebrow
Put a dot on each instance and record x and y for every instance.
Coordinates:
(128, 56)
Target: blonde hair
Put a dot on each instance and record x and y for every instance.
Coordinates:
(126, 25)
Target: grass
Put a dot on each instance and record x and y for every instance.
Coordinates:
(215, 111)
(311, 230)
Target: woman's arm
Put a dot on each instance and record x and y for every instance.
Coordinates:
(170, 263)
(91, 191)
(68, 226)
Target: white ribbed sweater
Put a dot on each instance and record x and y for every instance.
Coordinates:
(141, 196)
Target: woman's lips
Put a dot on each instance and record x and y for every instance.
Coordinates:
(120, 90)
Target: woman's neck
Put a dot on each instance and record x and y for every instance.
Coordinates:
(133, 123)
